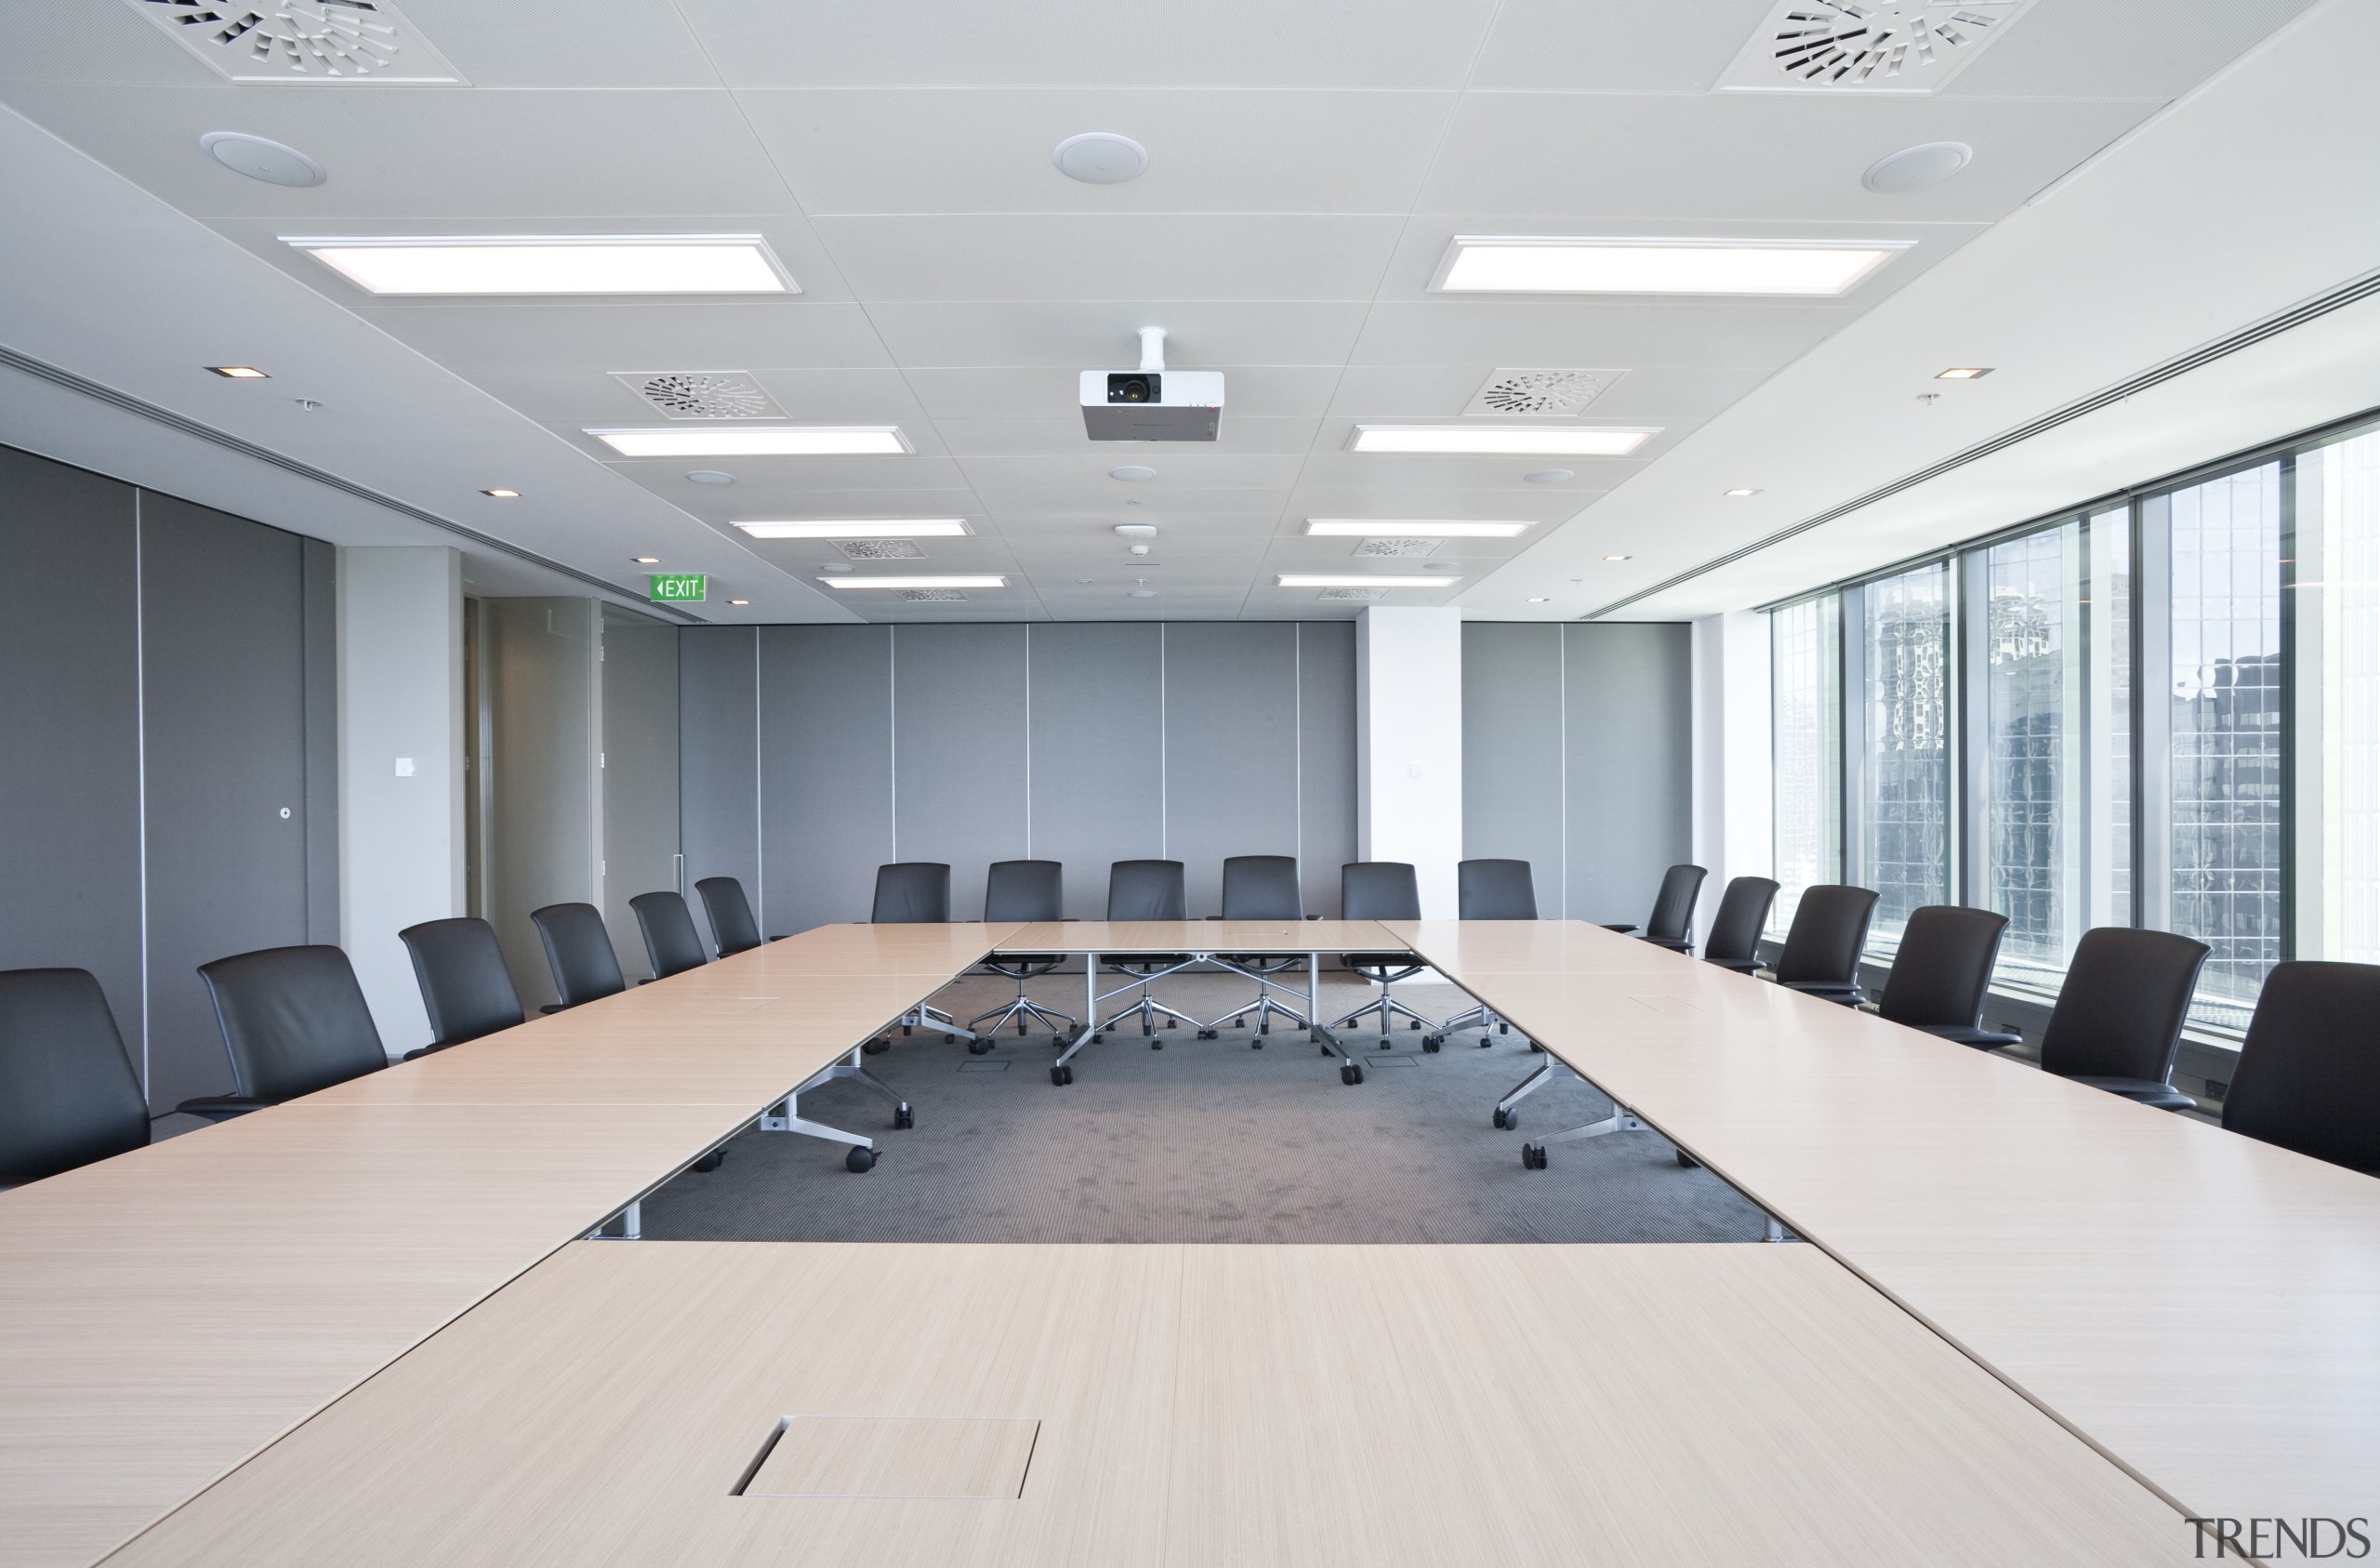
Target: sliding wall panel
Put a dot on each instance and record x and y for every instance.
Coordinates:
(959, 783)
(1325, 658)
(1098, 778)
(719, 759)
(542, 815)
(1628, 717)
(1513, 799)
(319, 609)
(826, 708)
(224, 645)
(1231, 747)
(637, 774)
(70, 735)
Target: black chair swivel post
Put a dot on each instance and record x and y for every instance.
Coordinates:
(465, 987)
(1032, 892)
(1382, 890)
(68, 1095)
(1262, 887)
(1490, 890)
(294, 1020)
(2309, 1075)
(1942, 972)
(2118, 1021)
(578, 951)
(1671, 923)
(1822, 946)
(1734, 941)
(915, 893)
(732, 929)
(1145, 890)
(671, 940)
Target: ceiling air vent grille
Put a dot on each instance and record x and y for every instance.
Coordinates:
(303, 41)
(1867, 46)
(1365, 594)
(880, 549)
(701, 394)
(933, 596)
(1544, 394)
(1402, 548)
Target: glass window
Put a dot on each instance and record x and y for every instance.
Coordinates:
(2057, 784)
(2227, 886)
(2337, 606)
(1805, 663)
(1905, 776)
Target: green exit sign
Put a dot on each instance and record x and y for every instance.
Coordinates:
(677, 587)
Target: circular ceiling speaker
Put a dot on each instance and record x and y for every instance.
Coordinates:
(1549, 476)
(1100, 158)
(261, 159)
(1131, 471)
(1914, 169)
(710, 476)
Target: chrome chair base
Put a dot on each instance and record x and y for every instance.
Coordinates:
(1017, 1012)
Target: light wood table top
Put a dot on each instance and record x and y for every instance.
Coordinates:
(2199, 1305)
(938, 951)
(1200, 936)
(1345, 1407)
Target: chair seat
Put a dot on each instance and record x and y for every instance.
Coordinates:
(1981, 1039)
(1622, 928)
(1147, 963)
(1374, 962)
(1024, 966)
(2162, 1096)
(222, 1107)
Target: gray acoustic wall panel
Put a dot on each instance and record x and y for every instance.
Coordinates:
(826, 772)
(1630, 724)
(1098, 780)
(541, 657)
(958, 740)
(1326, 652)
(224, 640)
(1231, 746)
(719, 759)
(70, 735)
(320, 609)
(637, 773)
(1512, 797)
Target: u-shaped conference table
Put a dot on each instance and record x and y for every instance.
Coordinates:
(2031, 1323)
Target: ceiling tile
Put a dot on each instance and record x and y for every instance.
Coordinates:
(2084, 49)
(1095, 335)
(1590, 333)
(1177, 463)
(642, 44)
(1561, 45)
(1061, 436)
(1122, 257)
(993, 393)
(741, 335)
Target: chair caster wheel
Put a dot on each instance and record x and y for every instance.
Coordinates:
(979, 1048)
(709, 1162)
(1256, 1045)
(904, 1117)
(1687, 1160)
(1156, 1045)
(1208, 1035)
(950, 1039)
(876, 1047)
(1432, 1042)
(1486, 1044)
(1386, 1044)
(1505, 1119)
(1096, 1038)
(1315, 1035)
(860, 1161)
(1350, 1075)
(1532, 1157)
(1413, 1023)
(1169, 1023)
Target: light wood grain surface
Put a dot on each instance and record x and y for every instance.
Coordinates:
(1343, 1406)
(2200, 1305)
(1200, 936)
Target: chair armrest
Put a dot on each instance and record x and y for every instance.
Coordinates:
(222, 1107)
(1981, 1039)
(552, 1008)
(1674, 944)
(1825, 991)
(1740, 966)
(1623, 930)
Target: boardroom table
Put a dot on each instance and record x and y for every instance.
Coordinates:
(2033, 1322)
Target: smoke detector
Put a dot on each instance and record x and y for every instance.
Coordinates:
(1542, 394)
(880, 549)
(1404, 547)
(1365, 594)
(303, 41)
(701, 394)
(1867, 46)
(932, 596)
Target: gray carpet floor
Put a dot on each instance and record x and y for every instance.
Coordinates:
(1205, 1140)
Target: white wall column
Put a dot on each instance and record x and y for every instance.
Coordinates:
(1409, 745)
(400, 767)
(1733, 820)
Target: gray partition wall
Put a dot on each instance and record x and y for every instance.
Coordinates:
(1577, 757)
(811, 755)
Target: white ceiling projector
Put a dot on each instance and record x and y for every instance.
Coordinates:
(1151, 404)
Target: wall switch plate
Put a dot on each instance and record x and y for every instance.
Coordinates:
(404, 767)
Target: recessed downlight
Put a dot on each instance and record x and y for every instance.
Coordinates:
(519, 264)
(1549, 476)
(1914, 169)
(1132, 472)
(261, 158)
(1539, 599)
(708, 476)
(1741, 491)
(646, 560)
(757, 441)
(1964, 372)
(239, 373)
(502, 493)
(860, 528)
(1555, 264)
(1100, 158)
(1619, 557)
(739, 601)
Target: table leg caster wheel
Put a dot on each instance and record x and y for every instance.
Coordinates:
(1097, 1037)
(1350, 1074)
(1061, 1075)
(709, 1162)
(904, 1117)
(860, 1161)
(1386, 1044)
(905, 1029)
(1532, 1157)
(1208, 1035)
(878, 1047)
(1256, 1045)
(1506, 1120)
(1156, 1045)
(982, 1047)
(1687, 1160)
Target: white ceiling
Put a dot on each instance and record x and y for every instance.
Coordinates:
(1308, 164)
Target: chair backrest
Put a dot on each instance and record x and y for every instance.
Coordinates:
(1146, 891)
(1742, 916)
(292, 1020)
(732, 925)
(1943, 966)
(671, 940)
(465, 987)
(1673, 916)
(2308, 1075)
(1379, 891)
(1830, 928)
(1491, 890)
(912, 893)
(1262, 888)
(67, 1092)
(2120, 1011)
(1024, 890)
(578, 951)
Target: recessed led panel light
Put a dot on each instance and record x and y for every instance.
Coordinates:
(239, 373)
(757, 441)
(1381, 528)
(1538, 602)
(993, 581)
(1743, 490)
(739, 601)
(1964, 372)
(646, 560)
(553, 264)
(1347, 580)
(1521, 264)
(861, 528)
(502, 494)
(1609, 441)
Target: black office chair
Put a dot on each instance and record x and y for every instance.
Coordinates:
(294, 1020)
(1030, 892)
(915, 893)
(1262, 887)
(1822, 946)
(1490, 890)
(2118, 1021)
(465, 987)
(671, 940)
(578, 951)
(732, 926)
(2309, 1075)
(1734, 941)
(68, 1095)
(1146, 891)
(1942, 972)
(1382, 890)
(1671, 923)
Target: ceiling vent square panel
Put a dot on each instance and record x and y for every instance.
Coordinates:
(701, 394)
(317, 40)
(932, 596)
(1400, 547)
(880, 549)
(1540, 394)
(1867, 46)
